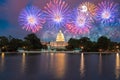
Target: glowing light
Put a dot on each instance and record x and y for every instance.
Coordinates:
(3, 54)
(60, 69)
(57, 13)
(2, 61)
(80, 24)
(84, 9)
(57, 18)
(23, 62)
(23, 54)
(100, 63)
(107, 12)
(80, 21)
(31, 18)
(51, 54)
(106, 15)
(117, 66)
(89, 9)
(82, 65)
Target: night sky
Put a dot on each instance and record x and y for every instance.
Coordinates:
(10, 10)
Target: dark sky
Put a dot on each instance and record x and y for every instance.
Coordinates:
(10, 10)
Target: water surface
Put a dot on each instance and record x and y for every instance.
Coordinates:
(60, 66)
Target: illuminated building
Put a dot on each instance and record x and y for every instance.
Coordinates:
(60, 42)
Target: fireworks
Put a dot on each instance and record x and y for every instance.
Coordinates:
(83, 18)
(57, 13)
(80, 21)
(107, 13)
(87, 19)
(88, 9)
(79, 25)
(31, 18)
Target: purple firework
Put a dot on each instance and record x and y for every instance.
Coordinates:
(57, 13)
(80, 23)
(31, 18)
(107, 12)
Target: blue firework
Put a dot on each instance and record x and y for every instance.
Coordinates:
(107, 12)
(31, 19)
(57, 13)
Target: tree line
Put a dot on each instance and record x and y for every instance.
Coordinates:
(102, 44)
(32, 42)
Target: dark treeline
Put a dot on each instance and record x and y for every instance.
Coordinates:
(102, 44)
(32, 42)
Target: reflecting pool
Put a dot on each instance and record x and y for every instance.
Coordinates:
(60, 66)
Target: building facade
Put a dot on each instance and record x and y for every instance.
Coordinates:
(60, 42)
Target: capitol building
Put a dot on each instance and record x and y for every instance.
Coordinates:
(60, 42)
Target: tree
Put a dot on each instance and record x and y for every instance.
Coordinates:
(73, 43)
(4, 43)
(103, 43)
(112, 46)
(85, 43)
(33, 41)
(14, 44)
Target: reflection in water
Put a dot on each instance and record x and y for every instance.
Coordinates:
(117, 66)
(82, 66)
(54, 63)
(60, 65)
(23, 62)
(100, 63)
(45, 62)
(52, 56)
(2, 61)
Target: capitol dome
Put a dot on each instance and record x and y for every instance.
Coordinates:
(60, 41)
(60, 36)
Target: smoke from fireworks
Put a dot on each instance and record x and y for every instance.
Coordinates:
(57, 13)
(31, 18)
